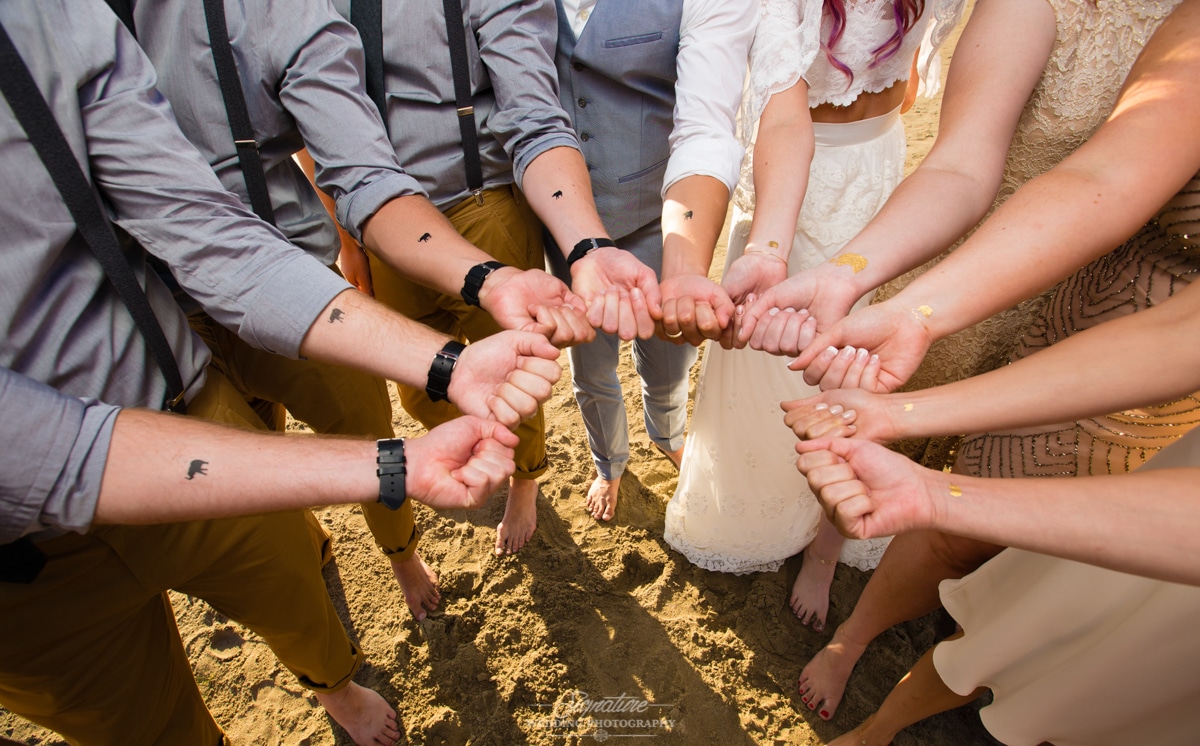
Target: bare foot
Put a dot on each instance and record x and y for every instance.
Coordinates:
(365, 715)
(676, 457)
(419, 584)
(520, 516)
(810, 592)
(823, 680)
(602, 498)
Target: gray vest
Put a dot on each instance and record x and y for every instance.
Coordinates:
(617, 82)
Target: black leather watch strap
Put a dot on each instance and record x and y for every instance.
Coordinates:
(438, 384)
(392, 471)
(583, 247)
(475, 279)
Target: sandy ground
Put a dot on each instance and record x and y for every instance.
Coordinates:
(604, 610)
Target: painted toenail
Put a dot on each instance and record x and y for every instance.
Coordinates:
(825, 714)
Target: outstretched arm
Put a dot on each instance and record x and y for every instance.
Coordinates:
(213, 471)
(783, 151)
(693, 305)
(504, 376)
(1145, 358)
(1143, 523)
(621, 293)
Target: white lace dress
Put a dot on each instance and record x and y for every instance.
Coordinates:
(741, 506)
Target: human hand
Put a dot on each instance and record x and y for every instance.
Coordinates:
(355, 267)
(826, 295)
(534, 301)
(894, 341)
(750, 275)
(622, 294)
(842, 413)
(868, 491)
(694, 309)
(505, 376)
(460, 463)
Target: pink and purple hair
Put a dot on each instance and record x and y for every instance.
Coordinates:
(906, 13)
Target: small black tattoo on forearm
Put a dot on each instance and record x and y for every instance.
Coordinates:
(424, 237)
(687, 215)
(197, 467)
(336, 315)
(557, 195)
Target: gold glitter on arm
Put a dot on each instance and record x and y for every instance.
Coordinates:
(908, 407)
(955, 491)
(920, 313)
(856, 262)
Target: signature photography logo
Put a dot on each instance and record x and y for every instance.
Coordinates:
(577, 713)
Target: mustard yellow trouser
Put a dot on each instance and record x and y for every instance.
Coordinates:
(505, 227)
(331, 399)
(90, 648)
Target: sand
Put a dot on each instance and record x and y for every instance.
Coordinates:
(606, 613)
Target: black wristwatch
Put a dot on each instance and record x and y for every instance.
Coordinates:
(475, 279)
(391, 472)
(438, 384)
(583, 247)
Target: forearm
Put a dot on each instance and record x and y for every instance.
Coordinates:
(783, 151)
(915, 225)
(163, 468)
(414, 238)
(1055, 224)
(357, 332)
(1134, 361)
(557, 186)
(1143, 523)
(693, 215)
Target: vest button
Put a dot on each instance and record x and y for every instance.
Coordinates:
(578, 66)
(583, 102)
(585, 136)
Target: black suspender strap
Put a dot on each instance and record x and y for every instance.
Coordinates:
(367, 17)
(35, 117)
(235, 108)
(459, 66)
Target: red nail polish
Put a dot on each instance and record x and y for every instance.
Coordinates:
(825, 714)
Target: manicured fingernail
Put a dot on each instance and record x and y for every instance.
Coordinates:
(835, 409)
(773, 312)
(821, 406)
(829, 353)
(848, 353)
(862, 354)
(789, 309)
(848, 414)
(874, 358)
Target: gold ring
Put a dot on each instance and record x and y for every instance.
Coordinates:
(676, 335)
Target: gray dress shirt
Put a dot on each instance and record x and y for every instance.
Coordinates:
(61, 324)
(514, 86)
(300, 66)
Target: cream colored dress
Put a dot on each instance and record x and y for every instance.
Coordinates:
(740, 505)
(1077, 655)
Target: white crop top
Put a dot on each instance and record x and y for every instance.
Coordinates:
(787, 47)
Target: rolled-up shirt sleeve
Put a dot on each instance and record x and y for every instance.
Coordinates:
(712, 62)
(163, 192)
(322, 88)
(529, 118)
(52, 458)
